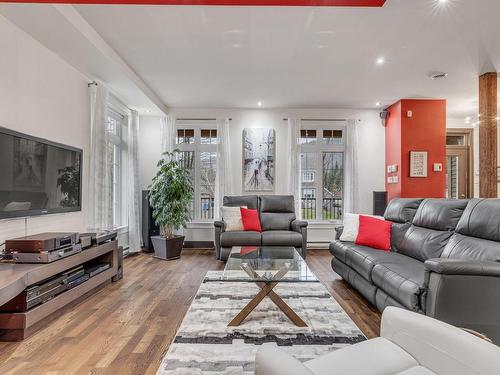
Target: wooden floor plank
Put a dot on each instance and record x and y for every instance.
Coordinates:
(126, 327)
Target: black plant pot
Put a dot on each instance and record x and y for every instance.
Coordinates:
(167, 248)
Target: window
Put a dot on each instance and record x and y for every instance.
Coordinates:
(197, 141)
(116, 124)
(322, 166)
(184, 136)
(308, 176)
(455, 140)
(307, 136)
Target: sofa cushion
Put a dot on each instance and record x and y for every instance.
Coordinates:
(402, 210)
(362, 259)
(432, 227)
(277, 203)
(276, 221)
(281, 238)
(440, 214)
(350, 224)
(464, 247)
(398, 231)
(250, 219)
(480, 219)
(276, 212)
(232, 218)
(364, 287)
(240, 238)
(250, 201)
(374, 233)
(423, 243)
(402, 278)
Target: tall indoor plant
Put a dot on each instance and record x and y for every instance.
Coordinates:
(170, 196)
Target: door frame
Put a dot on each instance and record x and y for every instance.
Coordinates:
(469, 144)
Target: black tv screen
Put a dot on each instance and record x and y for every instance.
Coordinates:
(38, 176)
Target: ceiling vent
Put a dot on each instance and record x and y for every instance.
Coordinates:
(438, 75)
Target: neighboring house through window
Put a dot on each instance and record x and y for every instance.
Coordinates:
(197, 141)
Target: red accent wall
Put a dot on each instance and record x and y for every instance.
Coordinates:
(308, 3)
(424, 131)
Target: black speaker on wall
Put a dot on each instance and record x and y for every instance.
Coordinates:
(149, 227)
(379, 202)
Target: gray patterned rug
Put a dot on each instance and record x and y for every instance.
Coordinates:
(205, 345)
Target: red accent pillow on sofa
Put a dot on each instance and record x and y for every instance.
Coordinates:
(374, 233)
(250, 219)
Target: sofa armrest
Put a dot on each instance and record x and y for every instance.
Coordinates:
(298, 225)
(220, 227)
(439, 346)
(338, 231)
(464, 293)
(271, 360)
(447, 266)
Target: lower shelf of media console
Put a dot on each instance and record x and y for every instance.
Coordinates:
(15, 326)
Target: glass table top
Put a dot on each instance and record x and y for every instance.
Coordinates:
(266, 264)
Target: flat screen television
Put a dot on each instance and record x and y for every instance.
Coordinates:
(37, 176)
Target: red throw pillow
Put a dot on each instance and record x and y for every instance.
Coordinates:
(374, 233)
(250, 219)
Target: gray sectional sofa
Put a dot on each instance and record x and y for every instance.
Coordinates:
(444, 262)
(277, 219)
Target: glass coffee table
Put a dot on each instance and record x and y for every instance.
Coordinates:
(266, 267)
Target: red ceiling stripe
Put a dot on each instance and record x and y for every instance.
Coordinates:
(311, 3)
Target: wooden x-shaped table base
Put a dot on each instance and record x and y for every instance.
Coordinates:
(266, 289)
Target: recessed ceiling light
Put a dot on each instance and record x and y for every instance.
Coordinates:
(147, 111)
(381, 61)
(259, 103)
(377, 104)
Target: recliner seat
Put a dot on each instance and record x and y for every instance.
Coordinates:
(278, 222)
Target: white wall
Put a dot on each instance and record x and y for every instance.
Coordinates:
(371, 151)
(43, 96)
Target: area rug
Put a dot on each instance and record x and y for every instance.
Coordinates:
(205, 345)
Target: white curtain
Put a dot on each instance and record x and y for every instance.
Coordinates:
(100, 214)
(223, 179)
(293, 163)
(167, 131)
(351, 193)
(134, 198)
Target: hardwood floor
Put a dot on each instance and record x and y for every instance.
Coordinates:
(127, 326)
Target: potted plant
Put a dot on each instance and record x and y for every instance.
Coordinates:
(170, 196)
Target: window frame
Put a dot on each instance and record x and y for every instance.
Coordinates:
(197, 147)
(319, 148)
(119, 140)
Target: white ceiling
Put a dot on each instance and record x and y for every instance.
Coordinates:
(297, 56)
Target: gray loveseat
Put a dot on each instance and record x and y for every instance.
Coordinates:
(444, 262)
(277, 219)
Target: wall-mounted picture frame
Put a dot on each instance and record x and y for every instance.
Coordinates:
(418, 163)
(258, 159)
